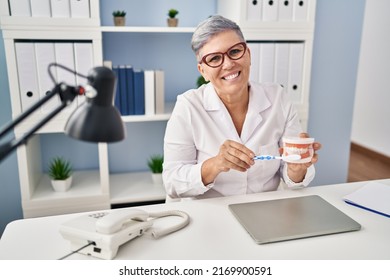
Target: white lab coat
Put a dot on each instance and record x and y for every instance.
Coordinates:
(200, 123)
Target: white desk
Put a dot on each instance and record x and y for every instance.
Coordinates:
(214, 233)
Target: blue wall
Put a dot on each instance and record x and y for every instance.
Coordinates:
(335, 59)
(334, 73)
(10, 203)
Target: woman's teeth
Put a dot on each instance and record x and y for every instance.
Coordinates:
(230, 77)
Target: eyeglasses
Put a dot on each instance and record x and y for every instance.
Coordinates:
(216, 59)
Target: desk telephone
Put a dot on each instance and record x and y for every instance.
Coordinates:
(108, 230)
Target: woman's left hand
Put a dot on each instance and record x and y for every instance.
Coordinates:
(297, 171)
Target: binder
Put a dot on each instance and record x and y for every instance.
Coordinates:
(267, 62)
(373, 196)
(139, 92)
(117, 97)
(296, 71)
(285, 12)
(129, 90)
(20, 8)
(254, 10)
(270, 10)
(255, 61)
(60, 8)
(40, 8)
(282, 64)
(159, 91)
(122, 83)
(83, 54)
(149, 92)
(79, 8)
(300, 10)
(27, 74)
(45, 54)
(65, 56)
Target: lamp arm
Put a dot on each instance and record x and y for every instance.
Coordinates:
(67, 95)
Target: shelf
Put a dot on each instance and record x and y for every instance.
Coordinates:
(147, 29)
(134, 187)
(85, 186)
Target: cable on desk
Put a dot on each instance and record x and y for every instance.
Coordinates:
(79, 249)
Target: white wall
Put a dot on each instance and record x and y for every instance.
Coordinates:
(371, 117)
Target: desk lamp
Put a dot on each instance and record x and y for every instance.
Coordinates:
(96, 120)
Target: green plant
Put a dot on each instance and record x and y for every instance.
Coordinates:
(172, 13)
(60, 169)
(118, 13)
(200, 81)
(155, 163)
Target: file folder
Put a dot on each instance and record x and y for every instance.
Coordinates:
(270, 10)
(300, 10)
(139, 92)
(83, 53)
(373, 196)
(282, 64)
(20, 8)
(65, 56)
(129, 90)
(60, 8)
(267, 62)
(40, 8)
(27, 74)
(285, 10)
(79, 8)
(255, 61)
(296, 71)
(159, 91)
(254, 10)
(45, 54)
(149, 92)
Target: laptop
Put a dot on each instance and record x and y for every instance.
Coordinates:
(291, 218)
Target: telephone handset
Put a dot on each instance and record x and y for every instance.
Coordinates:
(108, 230)
(115, 221)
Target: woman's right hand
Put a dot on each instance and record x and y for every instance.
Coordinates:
(232, 155)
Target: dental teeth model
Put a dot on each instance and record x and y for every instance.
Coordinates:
(298, 146)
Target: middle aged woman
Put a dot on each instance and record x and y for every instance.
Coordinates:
(215, 131)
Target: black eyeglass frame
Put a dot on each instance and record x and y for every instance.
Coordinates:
(223, 55)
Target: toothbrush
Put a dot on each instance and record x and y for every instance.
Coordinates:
(269, 157)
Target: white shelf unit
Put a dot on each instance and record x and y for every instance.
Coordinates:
(90, 190)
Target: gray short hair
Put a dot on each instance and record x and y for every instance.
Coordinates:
(210, 27)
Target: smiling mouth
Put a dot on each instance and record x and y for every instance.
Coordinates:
(232, 76)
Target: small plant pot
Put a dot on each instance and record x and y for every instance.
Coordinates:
(172, 22)
(61, 185)
(157, 178)
(119, 21)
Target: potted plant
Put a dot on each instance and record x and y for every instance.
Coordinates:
(155, 164)
(201, 81)
(60, 172)
(172, 20)
(119, 18)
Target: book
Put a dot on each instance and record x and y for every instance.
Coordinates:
(130, 90)
(149, 92)
(159, 91)
(139, 92)
(117, 97)
(122, 83)
(373, 196)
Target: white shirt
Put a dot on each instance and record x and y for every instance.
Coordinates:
(200, 123)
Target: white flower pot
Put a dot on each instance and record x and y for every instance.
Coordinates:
(61, 185)
(157, 178)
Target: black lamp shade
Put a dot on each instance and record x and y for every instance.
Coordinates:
(97, 119)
